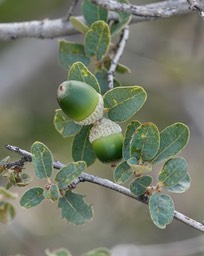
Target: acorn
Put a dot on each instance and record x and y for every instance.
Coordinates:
(107, 140)
(80, 102)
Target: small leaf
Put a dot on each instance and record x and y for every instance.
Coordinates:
(58, 252)
(7, 212)
(70, 52)
(123, 20)
(81, 148)
(51, 192)
(124, 102)
(182, 186)
(138, 168)
(122, 172)
(145, 142)
(139, 185)
(173, 171)
(32, 197)
(79, 25)
(65, 126)
(127, 138)
(98, 252)
(172, 140)
(97, 40)
(161, 208)
(42, 160)
(23, 180)
(103, 81)
(75, 209)
(3, 163)
(6, 194)
(93, 12)
(80, 72)
(69, 173)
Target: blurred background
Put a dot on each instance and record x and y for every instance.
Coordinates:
(166, 57)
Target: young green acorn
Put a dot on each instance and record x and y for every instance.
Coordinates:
(80, 102)
(107, 140)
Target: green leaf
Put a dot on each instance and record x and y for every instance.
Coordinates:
(70, 52)
(81, 148)
(32, 197)
(182, 186)
(42, 160)
(51, 192)
(7, 212)
(6, 194)
(122, 172)
(161, 207)
(172, 140)
(103, 81)
(98, 252)
(80, 72)
(75, 209)
(139, 185)
(79, 25)
(124, 102)
(123, 20)
(97, 40)
(145, 142)
(58, 252)
(93, 12)
(173, 171)
(3, 163)
(65, 126)
(127, 138)
(69, 173)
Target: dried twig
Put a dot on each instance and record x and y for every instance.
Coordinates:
(120, 48)
(85, 177)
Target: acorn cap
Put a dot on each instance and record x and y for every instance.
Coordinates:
(103, 128)
(80, 102)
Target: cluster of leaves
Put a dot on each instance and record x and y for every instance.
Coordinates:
(96, 51)
(144, 146)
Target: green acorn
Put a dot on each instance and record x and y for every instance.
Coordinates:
(107, 140)
(80, 102)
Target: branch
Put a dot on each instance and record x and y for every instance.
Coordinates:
(60, 27)
(85, 177)
(163, 9)
(195, 6)
(119, 52)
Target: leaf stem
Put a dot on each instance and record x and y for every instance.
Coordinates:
(85, 177)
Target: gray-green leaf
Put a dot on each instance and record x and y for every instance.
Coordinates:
(69, 173)
(161, 207)
(124, 102)
(75, 209)
(65, 126)
(42, 160)
(172, 140)
(139, 185)
(122, 172)
(32, 197)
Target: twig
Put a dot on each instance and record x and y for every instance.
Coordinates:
(163, 9)
(70, 11)
(119, 52)
(85, 177)
(58, 27)
(195, 6)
